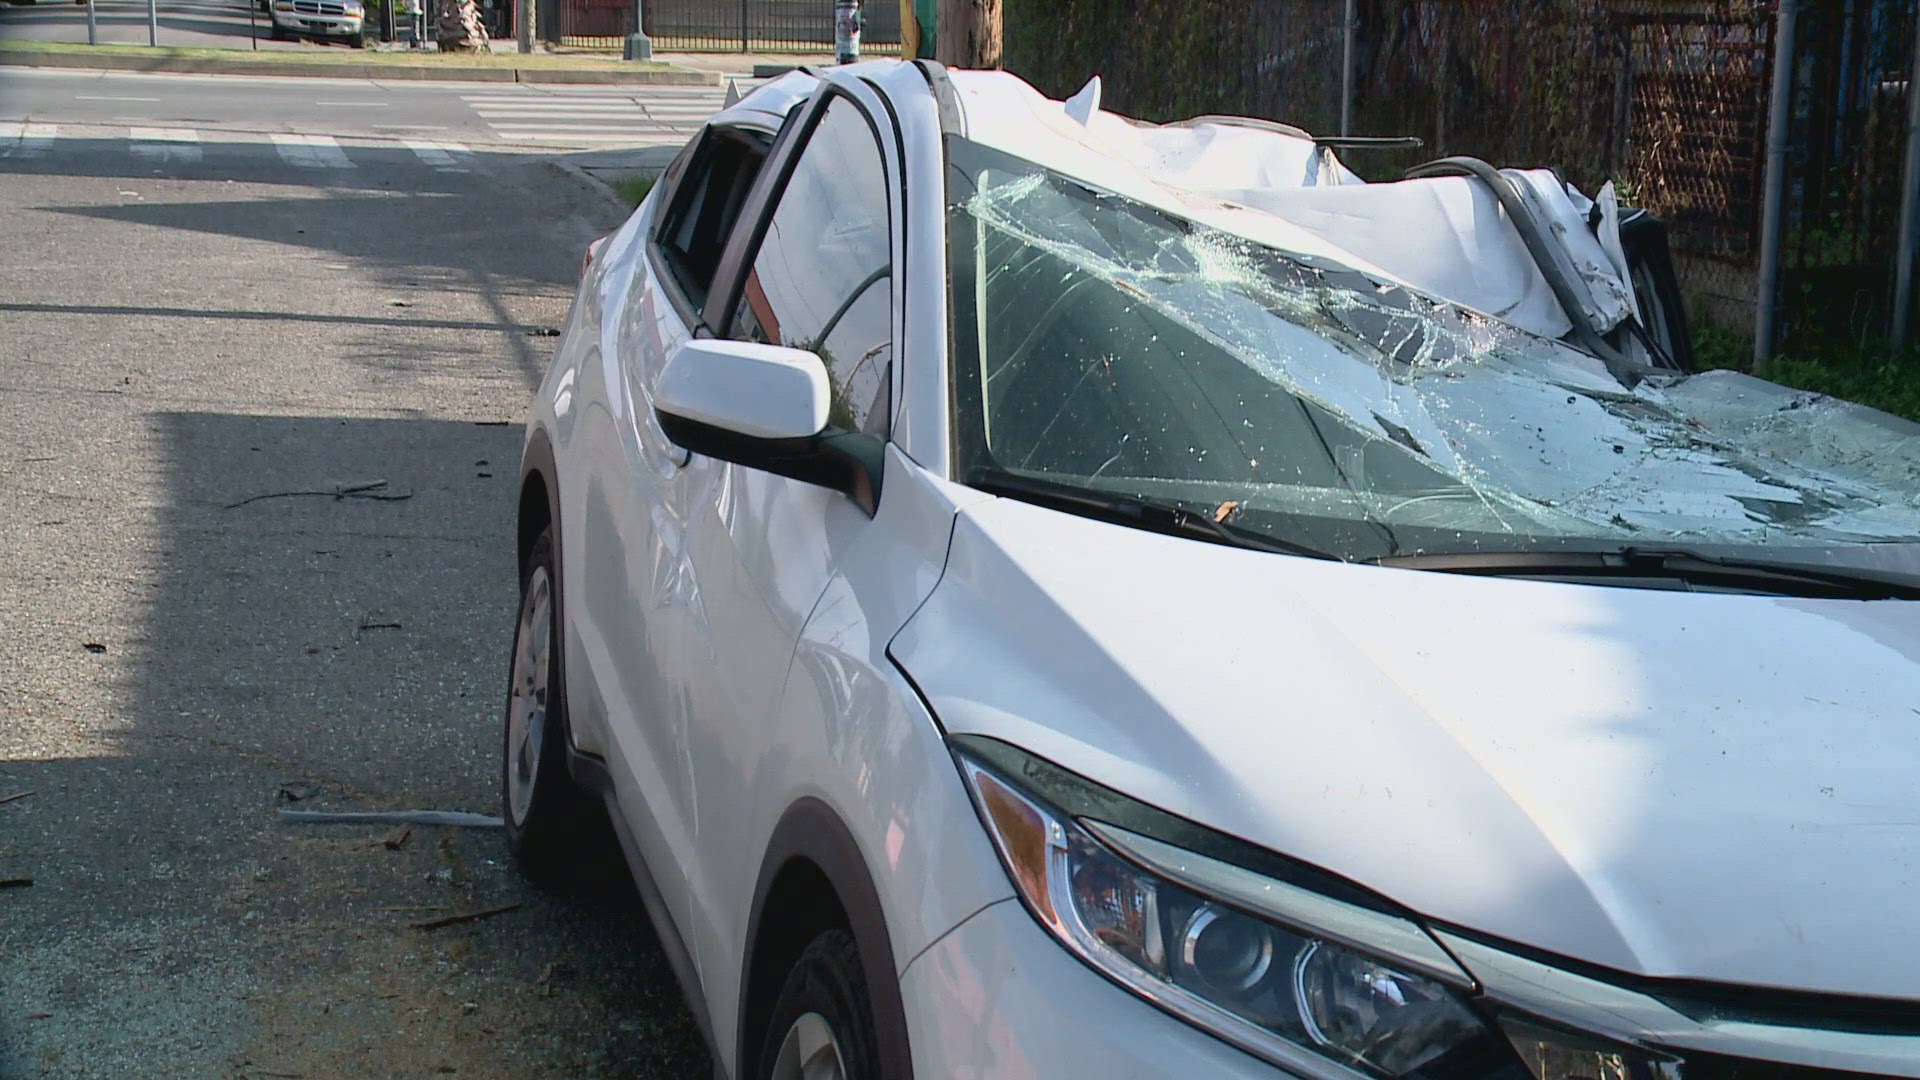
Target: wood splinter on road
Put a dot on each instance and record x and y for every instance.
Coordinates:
(465, 916)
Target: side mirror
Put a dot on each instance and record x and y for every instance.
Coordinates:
(765, 407)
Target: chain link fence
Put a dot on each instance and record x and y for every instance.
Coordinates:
(1666, 97)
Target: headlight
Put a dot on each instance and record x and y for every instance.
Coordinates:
(1313, 983)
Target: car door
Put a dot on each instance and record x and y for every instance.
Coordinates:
(817, 273)
(631, 599)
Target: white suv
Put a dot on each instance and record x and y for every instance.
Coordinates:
(1043, 595)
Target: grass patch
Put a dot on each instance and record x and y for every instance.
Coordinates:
(1869, 374)
(635, 188)
(323, 54)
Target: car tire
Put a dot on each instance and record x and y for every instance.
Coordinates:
(277, 33)
(551, 824)
(822, 1022)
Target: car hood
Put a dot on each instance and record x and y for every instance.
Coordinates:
(1672, 784)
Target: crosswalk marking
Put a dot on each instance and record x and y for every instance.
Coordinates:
(311, 151)
(26, 140)
(445, 156)
(653, 115)
(166, 144)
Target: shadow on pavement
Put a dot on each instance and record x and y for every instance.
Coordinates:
(341, 653)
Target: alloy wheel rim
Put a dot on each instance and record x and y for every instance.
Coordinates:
(527, 696)
(809, 1052)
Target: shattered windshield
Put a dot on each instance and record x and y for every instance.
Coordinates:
(1108, 345)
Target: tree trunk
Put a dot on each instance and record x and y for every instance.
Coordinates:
(461, 28)
(967, 34)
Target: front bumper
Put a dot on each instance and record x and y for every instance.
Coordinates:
(301, 22)
(998, 997)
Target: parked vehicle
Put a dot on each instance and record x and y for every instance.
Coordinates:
(327, 20)
(1044, 595)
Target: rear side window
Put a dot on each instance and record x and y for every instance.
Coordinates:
(694, 230)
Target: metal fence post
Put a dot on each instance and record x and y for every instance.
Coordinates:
(153, 22)
(1773, 189)
(1909, 207)
(93, 30)
(1346, 71)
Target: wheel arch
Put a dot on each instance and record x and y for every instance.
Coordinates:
(539, 506)
(814, 878)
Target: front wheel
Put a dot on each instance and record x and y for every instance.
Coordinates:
(822, 1026)
(548, 817)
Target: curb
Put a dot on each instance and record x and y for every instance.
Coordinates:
(324, 70)
(592, 183)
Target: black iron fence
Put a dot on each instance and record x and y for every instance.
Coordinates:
(741, 25)
(1669, 98)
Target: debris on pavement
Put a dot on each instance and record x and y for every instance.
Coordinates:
(456, 818)
(465, 916)
(15, 795)
(15, 882)
(355, 489)
(94, 647)
(397, 839)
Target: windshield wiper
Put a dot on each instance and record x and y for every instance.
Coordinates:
(1134, 510)
(1675, 564)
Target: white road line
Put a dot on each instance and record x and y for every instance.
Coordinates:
(581, 136)
(311, 151)
(26, 140)
(106, 97)
(637, 95)
(536, 110)
(357, 104)
(575, 129)
(166, 144)
(444, 156)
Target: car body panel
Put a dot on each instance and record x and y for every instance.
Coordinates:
(997, 997)
(1664, 783)
(852, 735)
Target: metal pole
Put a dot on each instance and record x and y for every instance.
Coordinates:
(153, 22)
(253, 23)
(1346, 72)
(846, 31)
(525, 11)
(93, 29)
(1773, 192)
(1909, 208)
(743, 25)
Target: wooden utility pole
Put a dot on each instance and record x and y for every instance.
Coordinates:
(967, 33)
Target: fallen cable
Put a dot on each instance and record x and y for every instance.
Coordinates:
(465, 916)
(456, 818)
(368, 489)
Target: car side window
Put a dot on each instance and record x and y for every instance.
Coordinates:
(693, 231)
(822, 279)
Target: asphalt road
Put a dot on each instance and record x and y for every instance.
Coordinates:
(200, 340)
(494, 114)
